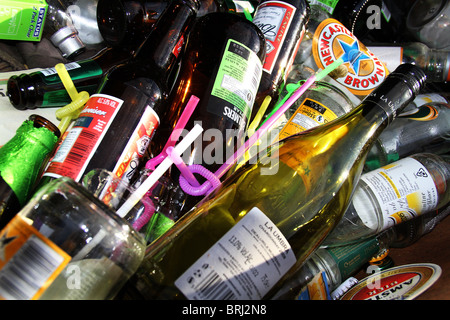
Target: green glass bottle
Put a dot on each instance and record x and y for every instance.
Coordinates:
(242, 240)
(22, 160)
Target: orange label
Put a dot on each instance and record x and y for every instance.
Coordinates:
(29, 262)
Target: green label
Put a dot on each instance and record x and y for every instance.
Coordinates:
(58, 98)
(237, 81)
(80, 70)
(351, 258)
(327, 5)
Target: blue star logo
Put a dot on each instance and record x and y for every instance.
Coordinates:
(352, 55)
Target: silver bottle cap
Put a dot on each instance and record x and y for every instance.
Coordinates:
(67, 41)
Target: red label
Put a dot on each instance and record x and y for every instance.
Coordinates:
(273, 19)
(81, 142)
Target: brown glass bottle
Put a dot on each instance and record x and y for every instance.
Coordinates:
(43, 89)
(116, 125)
(22, 160)
(283, 24)
(224, 54)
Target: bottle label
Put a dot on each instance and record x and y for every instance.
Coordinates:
(274, 19)
(333, 40)
(308, 115)
(77, 70)
(403, 190)
(316, 289)
(327, 5)
(29, 262)
(237, 82)
(80, 144)
(244, 264)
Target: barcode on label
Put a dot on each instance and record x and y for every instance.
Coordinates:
(80, 148)
(29, 270)
(52, 71)
(213, 288)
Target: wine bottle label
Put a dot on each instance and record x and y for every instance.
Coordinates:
(316, 289)
(244, 264)
(29, 262)
(331, 41)
(308, 115)
(237, 82)
(273, 18)
(402, 190)
(79, 145)
(327, 5)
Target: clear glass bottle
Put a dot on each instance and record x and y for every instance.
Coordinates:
(275, 210)
(392, 194)
(22, 160)
(435, 63)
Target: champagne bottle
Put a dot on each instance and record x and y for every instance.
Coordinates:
(22, 160)
(283, 24)
(275, 210)
(435, 63)
(113, 130)
(392, 194)
(416, 130)
(44, 88)
(222, 66)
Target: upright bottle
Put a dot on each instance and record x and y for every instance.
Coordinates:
(435, 63)
(113, 130)
(283, 24)
(392, 194)
(222, 66)
(275, 210)
(418, 129)
(44, 88)
(22, 160)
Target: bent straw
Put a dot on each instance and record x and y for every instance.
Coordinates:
(269, 122)
(159, 171)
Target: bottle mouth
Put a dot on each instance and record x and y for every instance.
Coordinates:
(16, 93)
(422, 12)
(111, 20)
(411, 74)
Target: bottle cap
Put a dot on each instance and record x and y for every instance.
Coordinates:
(68, 41)
(398, 283)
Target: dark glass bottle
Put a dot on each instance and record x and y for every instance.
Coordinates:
(22, 160)
(224, 55)
(114, 128)
(283, 24)
(43, 89)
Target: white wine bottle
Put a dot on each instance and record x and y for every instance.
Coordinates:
(241, 240)
(393, 194)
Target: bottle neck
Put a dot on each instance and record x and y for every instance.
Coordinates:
(438, 66)
(39, 122)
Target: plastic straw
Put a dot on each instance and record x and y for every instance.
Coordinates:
(158, 173)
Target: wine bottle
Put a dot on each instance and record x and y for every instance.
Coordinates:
(22, 160)
(274, 211)
(416, 130)
(113, 130)
(435, 63)
(222, 66)
(392, 194)
(283, 24)
(44, 88)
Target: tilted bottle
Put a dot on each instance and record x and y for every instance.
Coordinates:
(114, 128)
(44, 88)
(340, 263)
(275, 210)
(418, 129)
(22, 160)
(392, 194)
(435, 63)
(283, 24)
(222, 66)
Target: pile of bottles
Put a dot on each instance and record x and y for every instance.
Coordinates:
(220, 150)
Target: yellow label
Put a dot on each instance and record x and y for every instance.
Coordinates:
(29, 262)
(308, 115)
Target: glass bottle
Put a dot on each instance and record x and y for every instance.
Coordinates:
(435, 63)
(22, 160)
(283, 24)
(44, 88)
(222, 66)
(113, 130)
(418, 129)
(340, 263)
(392, 194)
(275, 210)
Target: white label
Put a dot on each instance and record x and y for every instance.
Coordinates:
(243, 265)
(392, 57)
(52, 71)
(403, 190)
